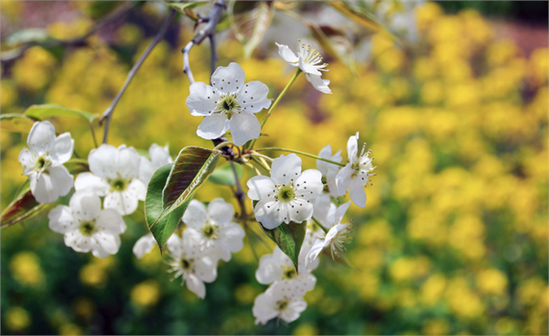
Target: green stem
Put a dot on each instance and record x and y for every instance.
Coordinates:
(251, 144)
(341, 164)
(319, 224)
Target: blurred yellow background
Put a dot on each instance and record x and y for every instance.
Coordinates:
(454, 237)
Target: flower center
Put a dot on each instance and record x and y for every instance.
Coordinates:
(228, 105)
(311, 56)
(281, 305)
(211, 231)
(288, 272)
(42, 163)
(186, 264)
(87, 228)
(286, 193)
(119, 184)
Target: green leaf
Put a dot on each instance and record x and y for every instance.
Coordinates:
(15, 122)
(360, 15)
(24, 206)
(289, 238)
(48, 110)
(31, 35)
(250, 25)
(191, 168)
(153, 207)
(335, 43)
(225, 175)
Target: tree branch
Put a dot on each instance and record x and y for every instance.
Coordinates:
(12, 55)
(208, 31)
(107, 115)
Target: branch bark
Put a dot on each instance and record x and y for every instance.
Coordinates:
(107, 115)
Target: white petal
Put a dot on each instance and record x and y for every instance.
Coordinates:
(127, 162)
(220, 212)
(41, 137)
(325, 167)
(103, 160)
(107, 243)
(195, 215)
(308, 69)
(78, 242)
(287, 54)
(264, 308)
(352, 148)
(319, 83)
(160, 155)
(229, 78)
(309, 184)
(138, 189)
(61, 219)
(332, 185)
(253, 97)
(340, 212)
(143, 245)
(111, 222)
(85, 205)
(244, 127)
(195, 285)
(294, 310)
(322, 206)
(27, 160)
(270, 213)
(123, 202)
(315, 250)
(300, 210)
(231, 237)
(285, 169)
(62, 180)
(62, 148)
(213, 127)
(92, 183)
(205, 269)
(269, 270)
(175, 245)
(43, 189)
(343, 179)
(260, 187)
(357, 193)
(202, 98)
(146, 170)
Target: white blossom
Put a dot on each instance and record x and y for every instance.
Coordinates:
(193, 265)
(308, 59)
(329, 170)
(214, 227)
(228, 104)
(43, 162)
(159, 156)
(143, 245)
(278, 266)
(86, 227)
(356, 173)
(282, 300)
(287, 195)
(115, 175)
(337, 236)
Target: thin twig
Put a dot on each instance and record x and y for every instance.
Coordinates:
(13, 55)
(107, 115)
(208, 31)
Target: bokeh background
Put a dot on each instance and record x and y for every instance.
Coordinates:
(454, 237)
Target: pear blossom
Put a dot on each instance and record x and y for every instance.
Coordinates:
(228, 104)
(308, 59)
(356, 173)
(115, 175)
(193, 265)
(43, 162)
(214, 227)
(336, 237)
(281, 300)
(278, 266)
(329, 170)
(159, 156)
(86, 227)
(143, 245)
(287, 195)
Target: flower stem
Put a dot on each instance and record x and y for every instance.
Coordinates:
(341, 164)
(320, 225)
(251, 144)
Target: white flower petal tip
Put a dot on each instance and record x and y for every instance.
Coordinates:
(281, 300)
(228, 104)
(288, 195)
(43, 162)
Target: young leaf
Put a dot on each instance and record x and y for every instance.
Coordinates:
(289, 238)
(153, 207)
(250, 25)
(191, 168)
(335, 43)
(15, 122)
(23, 207)
(360, 15)
(225, 175)
(49, 110)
